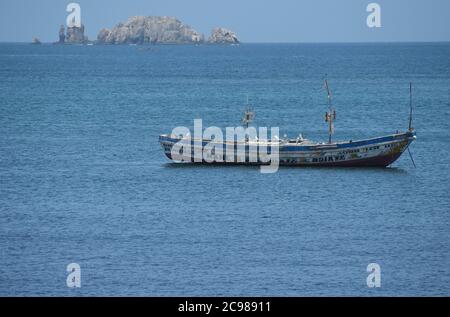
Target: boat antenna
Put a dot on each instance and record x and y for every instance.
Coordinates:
(330, 116)
(410, 128)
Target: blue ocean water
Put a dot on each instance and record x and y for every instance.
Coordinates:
(83, 178)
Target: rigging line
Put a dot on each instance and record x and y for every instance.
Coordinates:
(412, 160)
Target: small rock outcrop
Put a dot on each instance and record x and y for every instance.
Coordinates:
(35, 41)
(73, 35)
(62, 34)
(223, 36)
(150, 30)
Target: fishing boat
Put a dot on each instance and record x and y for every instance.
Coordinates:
(374, 152)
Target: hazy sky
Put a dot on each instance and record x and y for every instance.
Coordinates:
(252, 20)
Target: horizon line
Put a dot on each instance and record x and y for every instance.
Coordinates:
(243, 43)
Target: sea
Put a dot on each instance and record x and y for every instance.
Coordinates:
(84, 180)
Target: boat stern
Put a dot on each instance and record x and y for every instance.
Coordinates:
(167, 143)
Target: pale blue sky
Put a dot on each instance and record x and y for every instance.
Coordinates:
(252, 20)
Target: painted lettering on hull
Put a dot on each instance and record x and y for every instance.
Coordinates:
(324, 159)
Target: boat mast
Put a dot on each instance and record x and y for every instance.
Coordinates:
(410, 128)
(330, 116)
(249, 115)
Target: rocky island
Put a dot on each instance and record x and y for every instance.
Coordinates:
(161, 30)
(152, 29)
(147, 30)
(73, 35)
(223, 36)
(76, 35)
